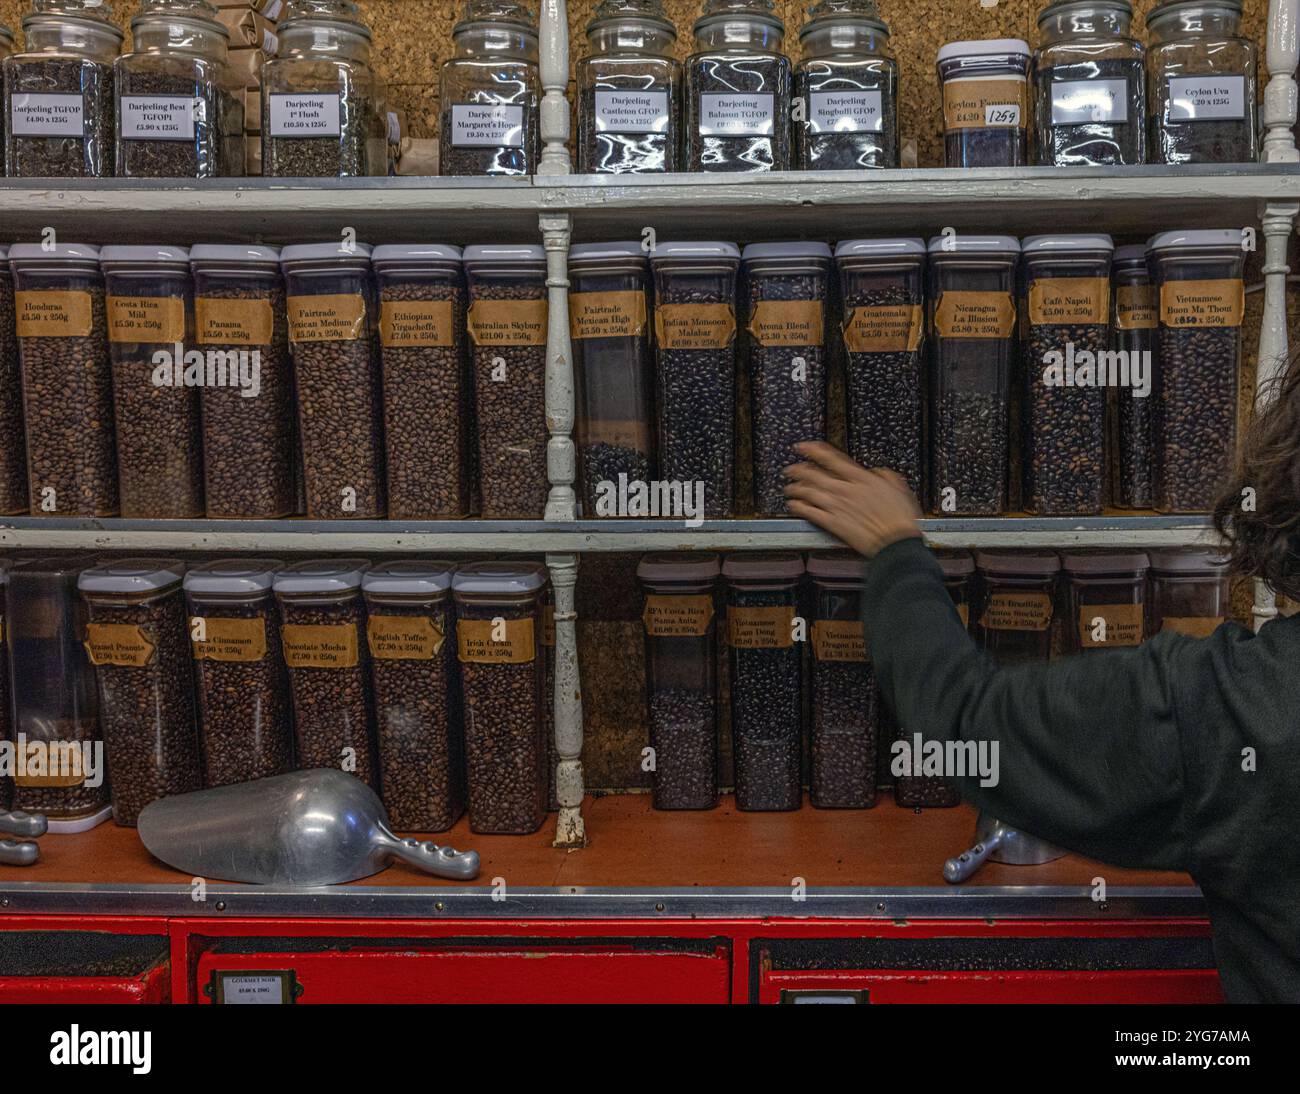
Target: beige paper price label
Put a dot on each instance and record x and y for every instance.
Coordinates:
(761, 628)
(1192, 626)
(490, 642)
(42, 313)
(1135, 307)
(839, 640)
(123, 644)
(417, 323)
(963, 613)
(59, 765)
(975, 315)
(219, 322)
(1220, 303)
(890, 328)
(548, 625)
(320, 645)
(508, 322)
(985, 103)
(1058, 301)
(788, 323)
(1008, 611)
(228, 639)
(694, 326)
(1110, 626)
(146, 319)
(404, 637)
(607, 314)
(677, 616)
(330, 317)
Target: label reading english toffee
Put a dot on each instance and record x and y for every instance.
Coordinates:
(1008, 611)
(677, 616)
(488, 642)
(233, 322)
(146, 319)
(607, 314)
(228, 639)
(52, 313)
(975, 315)
(320, 645)
(694, 326)
(1059, 301)
(122, 644)
(330, 317)
(416, 323)
(890, 328)
(769, 628)
(508, 322)
(1106, 626)
(403, 637)
(787, 323)
(1215, 303)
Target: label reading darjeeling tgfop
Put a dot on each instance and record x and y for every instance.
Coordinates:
(46, 115)
(490, 125)
(632, 112)
(737, 114)
(304, 115)
(157, 117)
(1081, 102)
(845, 112)
(1206, 98)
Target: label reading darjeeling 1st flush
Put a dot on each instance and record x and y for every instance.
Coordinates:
(845, 112)
(736, 114)
(631, 111)
(46, 115)
(304, 115)
(1206, 98)
(156, 117)
(491, 125)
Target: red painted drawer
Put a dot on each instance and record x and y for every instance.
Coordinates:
(76, 966)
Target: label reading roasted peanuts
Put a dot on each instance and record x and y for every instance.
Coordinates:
(228, 639)
(997, 102)
(495, 642)
(508, 322)
(404, 637)
(417, 323)
(890, 328)
(694, 326)
(1135, 307)
(1058, 301)
(1216, 303)
(677, 616)
(122, 644)
(787, 323)
(1106, 626)
(146, 319)
(52, 313)
(330, 317)
(769, 628)
(1194, 626)
(975, 315)
(607, 314)
(1006, 611)
(320, 645)
(839, 640)
(233, 322)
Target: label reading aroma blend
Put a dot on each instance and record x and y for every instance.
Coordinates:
(737, 114)
(787, 323)
(631, 111)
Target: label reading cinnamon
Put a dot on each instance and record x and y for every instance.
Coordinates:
(51, 313)
(548, 625)
(123, 644)
(787, 322)
(1194, 626)
(975, 315)
(694, 326)
(416, 323)
(330, 317)
(1135, 307)
(761, 628)
(146, 319)
(607, 314)
(1007, 611)
(508, 322)
(1219, 303)
(677, 616)
(495, 641)
(1107, 626)
(985, 103)
(403, 637)
(839, 640)
(233, 322)
(228, 639)
(1057, 301)
(891, 328)
(320, 645)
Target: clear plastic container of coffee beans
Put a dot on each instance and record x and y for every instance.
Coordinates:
(972, 323)
(1201, 73)
(985, 102)
(67, 379)
(738, 90)
(1017, 604)
(332, 335)
(13, 443)
(427, 397)
(1201, 299)
(1107, 601)
(787, 289)
(766, 678)
(1089, 85)
(1189, 592)
(324, 642)
(609, 313)
(695, 369)
(52, 682)
(150, 301)
(845, 698)
(58, 92)
(137, 638)
(410, 628)
(882, 287)
(1133, 333)
(681, 646)
(245, 722)
(508, 317)
(1067, 325)
(249, 433)
(497, 621)
(629, 91)
(6, 730)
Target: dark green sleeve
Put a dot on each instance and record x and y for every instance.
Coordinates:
(1089, 754)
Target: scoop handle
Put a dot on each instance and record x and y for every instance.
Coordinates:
(26, 825)
(432, 859)
(13, 853)
(958, 869)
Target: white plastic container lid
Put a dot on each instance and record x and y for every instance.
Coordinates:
(683, 566)
(964, 244)
(324, 575)
(879, 248)
(1131, 252)
(1201, 562)
(409, 577)
(702, 251)
(955, 563)
(1065, 243)
(763, 566)
(1195, 237)
(243, 253)
(416, 252)
(793, 249)
(69, 252)
(985, 47)
(499, 577)
(316, 252)
(144, 256)
(594, 252)
(503, 254)
(836, 566)
(132, 576)
(233, 577)
(1031, 563)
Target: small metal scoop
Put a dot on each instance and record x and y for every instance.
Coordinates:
(1000, 843)
(318, 827)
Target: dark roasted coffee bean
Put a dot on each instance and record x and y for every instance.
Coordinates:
(1196, 412)
(970, 453)
(683, 733)
(845, 723)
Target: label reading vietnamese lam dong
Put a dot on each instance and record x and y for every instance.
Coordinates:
(1217, 303)
(46, 116)
(228, 639)
(632, 112)
(137, 319)
(737, 114)
(157, 117)
(996, 102)
(672, 616)
(304, 115)
(1206, 98)
(1084, 102)
(887, 328)
(1110, 626)
(487, 125)
(761, 628)
(845, 112)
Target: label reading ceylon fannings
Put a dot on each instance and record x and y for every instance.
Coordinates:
(53, 313)
(1135, 307)
(889, 328)
(416, 323)
(975, 315)
(1056, 301)
(495, 641)
(1007, 611)
(677, 616)
(839, 640)
(985, 102)
(1214, 303)
(330, 317)
(123, 644)
(228, 639)
(1194, 626)
(233, 322)
(320, 645)
(1106, 626)
(787, 323)
(694, 326)
(508, 322)
(768, 628)
(146, 319)
(403, 637)
(607, 314)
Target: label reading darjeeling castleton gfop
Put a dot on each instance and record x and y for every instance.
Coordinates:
(632, 112)
(304, 115)
(157, 117)
(1206, 98)
(487, 125)
(845, 112)
(46, 115)
(737, 114)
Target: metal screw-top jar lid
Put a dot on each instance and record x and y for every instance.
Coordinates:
(862, 13)
(1060, 7)
(692, 566)
(98, 13)
(233, 577)
(1114, 562)
(1032, 564)
(611, 12)
(754, 11)
(132, 576)
(324, 575)
(478, 12)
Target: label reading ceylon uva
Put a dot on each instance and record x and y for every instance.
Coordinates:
(975, 315)
(1057, 301)
(330, 317)
(694, 326)
(416, 323)
(890, 328)
(123, 644)
(787, 323)
(319, 645)
(607, 314)
(52, 313)
(1217, 303)
(508, 322)
(403, 637)
(228, 639)
(980, 103)
(146, 319)
(839, 640)
(677, 616)
(1008, 611)
(220, 322)
(770, 628)
(1106, 626)
(1191, 625)
(495, 642)
(1135, 307)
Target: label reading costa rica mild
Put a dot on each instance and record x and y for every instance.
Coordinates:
(146, 319)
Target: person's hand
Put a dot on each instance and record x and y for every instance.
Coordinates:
(867, 510)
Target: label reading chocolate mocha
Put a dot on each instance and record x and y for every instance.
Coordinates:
(416, 323)
(677, 616)
(1135, 307)
(1216, 303)
(997, 102)
(123, 644)
(330, 317)
(889, 328)
(495, 641)
(52, 313)
(1105, 626)
(1058, 301)
(228, 639)
(839, 640)
(607, 314)
(233, 322)
(146, 319)
(403, 637)
(1008, 611)
(787, 323)
(975, 315)
(508, 322)
(761, 628)
(320, 645)
(694, 326)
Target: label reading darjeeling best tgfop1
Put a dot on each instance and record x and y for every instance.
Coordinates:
(46, 115)
(157, 117)
(631, 111)
(845, 112)
(304, 115)
(736, 114)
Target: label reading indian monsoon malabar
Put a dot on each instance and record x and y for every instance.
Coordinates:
(1135, 307)
(975, 315)
(45, 313)
(508, 322)
(146, 319)
(403, 637)
(607, 314)
(736, 114)
(319, 645)
(787, 323)
(495, 642)
(304, 115)
(985, 103)
(761, 628)
(889, 328)
(845, 112)
(487, 125)
(416, 323)
(694, 326)
(1063, 300)
(228, 639)
(123, 644)
(1017, 612)
(839, 640)
(330, 317)
(677, 616)
(1122, 625)
(1215, 303)
(631, 111)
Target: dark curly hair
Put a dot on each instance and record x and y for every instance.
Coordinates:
(1259, 513)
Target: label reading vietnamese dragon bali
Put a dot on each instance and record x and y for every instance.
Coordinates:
(839, 640)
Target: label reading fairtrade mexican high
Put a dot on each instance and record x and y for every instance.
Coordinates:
(495, 642)
(787, 323)
(1058, 301)
(1007, 611)
(985, 102)
(146, 319)
(677, 616)
(404, 637)
(320, 645)
(1135, 307)
(228, 639)
(695, 326)
(53, 313)
(1110, 626)
(607, 314)
(416, 323)
(839, 640)
(508, 322)
(770, 628)
(1215, 303)
(122, 644)
(1190, 625)
(233, 322)
(967, 314)
(330, 317)
(889, 328)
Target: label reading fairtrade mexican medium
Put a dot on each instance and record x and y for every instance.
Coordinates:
(975, 315)
(1206, 98)
(1083, 102)
(228, 639)
(330, 317)
(487, 642)
(46, 115)
(607, 314)
(156, 117)
(319, 645)
(737, 114)
(233, 322)
(770, 628)
(889, 328)
(632, 112)
(146, 319)
(694, 326)
(1193, 626)
(1056, 301)
(508, 322)
(1123, 625)
(677, 616)
(1135, 307)
(1216, 303)
(985, 102)
(1007, 611)
(845, 112)
(839, 640)
(123, 644)
(303, 115)
(404, 637)
(787, 322)
(53, 313)
(487, 125)
(417, 323)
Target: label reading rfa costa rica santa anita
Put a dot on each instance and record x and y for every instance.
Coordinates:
(304, 115)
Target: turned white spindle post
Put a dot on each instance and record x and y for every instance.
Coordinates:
(553, 63)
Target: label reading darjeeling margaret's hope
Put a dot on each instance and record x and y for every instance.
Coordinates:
(632, 112)
(46, 115)
(157, 117)
(303, 115)
(737, 114)
(487, 125)
(845, 112)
